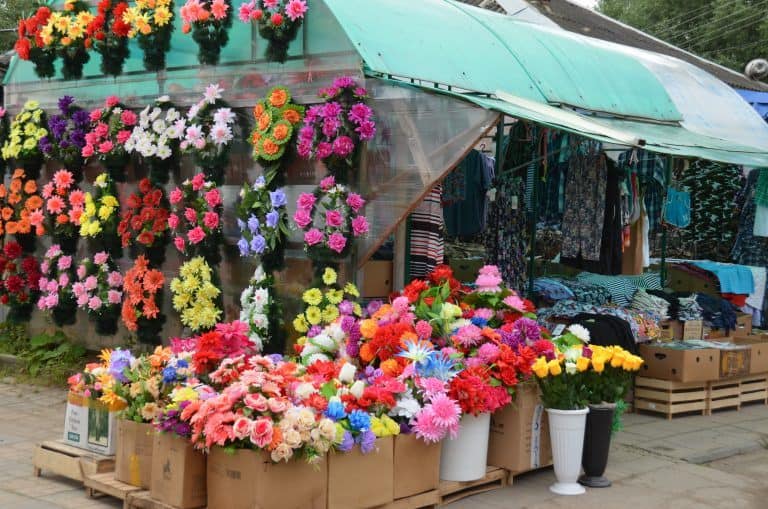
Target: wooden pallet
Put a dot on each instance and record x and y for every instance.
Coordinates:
(107, 484)
(670, 398)
(723, 394)
(754, 389)
(71, 462)
(451, 491)
(426, 500)
(143, 500)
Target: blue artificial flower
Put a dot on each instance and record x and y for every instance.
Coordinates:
(367, 441)
(347, 443)
(242, 244)
(182, 363)
(335, 410)
(278, 198)
(119, 361)
(437, 365)
(260, 182)
(240, 224)
(416, 352)
(272, 217)
(359, 420)
(253, 224)
(169, 374)
(480, 322)
(258, 244)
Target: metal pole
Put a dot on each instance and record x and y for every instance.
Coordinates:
(667, 181)
(532, 225)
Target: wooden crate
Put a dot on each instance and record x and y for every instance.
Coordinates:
(668, 397)
(723, 394)
(143, 500)
(426, 500)
(106, 484)
(451, 491)
(74, 463)
(754, 389)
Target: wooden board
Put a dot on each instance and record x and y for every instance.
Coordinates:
(427, 500)
(669, 397)
(451, 491)
(143, 500)
(71, 462)
(107, 484)
(723, 394)
(754, 389)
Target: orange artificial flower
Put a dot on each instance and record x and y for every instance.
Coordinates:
(280, 132)
(368, 328)
(264, 120)
(14, 198)
(62, 219)
(292, 116)
(34, 202)
(7, 213)
(366, 354)
(278, 98)
(258, 110)
(11, 228)
(30, 187)
(18, 173)
(270, 147)
(16, 185)
(255, 137)
(3, 191)
(391, 368)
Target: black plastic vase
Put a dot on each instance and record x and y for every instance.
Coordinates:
(65, 313)
(597, 445)
(106, 321)
(67, 243)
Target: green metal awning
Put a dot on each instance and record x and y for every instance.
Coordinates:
(557, 78)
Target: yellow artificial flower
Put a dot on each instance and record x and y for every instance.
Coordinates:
(105, 212)
(582, 364)
(329, 276)
(334, 296)
(330, 313)
(31, 105)
(598, 365)
(101, 180)
(180, 300)
(314, 315)
(313, 296)
(162, 16)
(357, 309)
(352, 290)
(540, 367)
(554, 367)
(300, 324)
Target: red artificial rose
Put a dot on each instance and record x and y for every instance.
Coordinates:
(440, 274)
(134, 201)
(22, 48)
(14, 283)
(144, 186)
(147, 215)
(146, 238)
(136, 223)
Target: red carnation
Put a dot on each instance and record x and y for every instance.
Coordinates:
(12, 250)
(22, 48)
(14, 283)
(145, 185)
(134, 201)
(146, 238)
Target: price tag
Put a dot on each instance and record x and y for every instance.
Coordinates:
(559, 329)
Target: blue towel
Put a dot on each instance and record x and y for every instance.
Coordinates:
(733, 278)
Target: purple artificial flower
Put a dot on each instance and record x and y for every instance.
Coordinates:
(359, 113)
(272, 218)
(346, 308)
(529, 329)
(65, 102)
(373, 306)
(331, 110)
(353, 347)
(330, 126)
(81, 118)
(275, 357)
(347, 322)
(366, 130)
(314, 331)
(347, 443)
(367, 441)
(344, 82)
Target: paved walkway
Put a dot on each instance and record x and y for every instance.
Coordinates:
(690, 462)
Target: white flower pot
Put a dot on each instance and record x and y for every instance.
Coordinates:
(464, 459)
(566, 429)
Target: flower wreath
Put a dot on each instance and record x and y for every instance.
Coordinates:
(151, 23)
(142, 301)
(5, 129)
(21, 210)
(66, 136)
(19, 282)
(196, 296)
(110, 36)
(276, 119)
(27, 129)
(30, 45)
(157, 139)
(209, 21)
(329, 237)
(66, 33)
(64, 206)
(144, 223)
(100, 217)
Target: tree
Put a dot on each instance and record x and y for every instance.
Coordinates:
(11, 11)
(729, 32)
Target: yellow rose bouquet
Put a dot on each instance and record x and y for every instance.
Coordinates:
(21, 144)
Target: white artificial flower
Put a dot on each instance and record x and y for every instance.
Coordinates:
(572, 354)
(324, 341)
(159, 126)
(347, 373)
(193, 110)
(164, 99)
(164, 152)
(221, 134)
(335, 331)
(407, 406)
(260, 296)
(357, 389)
(570, 368)
(212, 93)
(579, 331)
(155, 113)
(172, 115)
(310, 349)
(304, 390)
(259, 275)
(259, 321)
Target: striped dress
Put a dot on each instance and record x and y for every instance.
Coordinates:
(427, 245)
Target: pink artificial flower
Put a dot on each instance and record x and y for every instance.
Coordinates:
(101, 129)
(359, 113)
(112, 101)
(190, 215)
(114, 279)
(95, 115)
(176, 196)
(87, 151)
(257, 14)
(94, 303)
(213, 198)
(333, 218)
(488, 353)
(514, 302)
(355, 201)
(446, 411)
(246, 11)
(78, 289)
(173, 221)
(484, 313)
(91, 283)
(359, 226)
(219, 9)
(343, 146)
(81, 271)
(468, 335)
(488, 280)
(256, 402)
(327, 183)
(400, 304)
(277, 406)
(52, 286)
(261, 434)
(128, 118)
(47, 191)
(64, 280)
(337, 242)
(324, 150)
(65, 262)
(179, 243)
(296, 9)
(344, 82)
(366, 130)
(276, 19)
(302, 218)
(313, 237)
(100, 258)
(106, 147)
(45, 267)
(211, 220)
(114, 297)
(196, 235)
(242, 428)
(198, 181)
(423, 329)
(425, 427)
(306, 201)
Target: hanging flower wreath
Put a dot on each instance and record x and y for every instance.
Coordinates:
(278, 21)
(30, 45)
(110, 36)
(333, 132)
(21, 210)
(66, 33)
(196, 295)
(209, 21)
(157, 138)
(263, 221)
(142, 291)
(196, 219)
(19, 282)
(64, 206)
(111, 127)
(151, 23)
(100, 216)
(144, 224)
(276, 119)
(330, 235)
(99, 291)
(22, 144)
(56, 294)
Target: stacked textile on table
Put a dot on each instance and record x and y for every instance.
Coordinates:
(642, 325)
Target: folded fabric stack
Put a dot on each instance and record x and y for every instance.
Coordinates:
(645, 302)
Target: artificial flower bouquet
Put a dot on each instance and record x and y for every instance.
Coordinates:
(276, 119)
(27, 129)
(66, 34)
(210, 349)
(209, 133)
(196, 219)
(263, 220)
(109, 33)
(142, 300)
(612, 373)
(21, 210)
(111, 127)
(196, 296)
(261, 311)
(98, 222)
(335, 131)
(56, 295)
(144, 224)
(99, 291)
(278, 21)
(64, 206)
(66, 136)
(331, 218)
(151, 24)
(19, 282)
(30, 46)
(209, 21)
(157, 138)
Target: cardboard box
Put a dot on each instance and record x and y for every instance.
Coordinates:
(734, 360)
(416, 466)
(758, 358)
(692, 365)
(666, 330)
(692, 329)
(519, 439)
(133, 458)
(249, 479)
(178, 473)
(357, 480)
(377, 279)
(743, 324)
(90, 424)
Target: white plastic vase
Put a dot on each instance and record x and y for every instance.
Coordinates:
(464, 459)
(566, 429)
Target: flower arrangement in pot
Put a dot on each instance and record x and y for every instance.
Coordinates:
(263, 221)
(151, 24)
(334, 132)
(22, 144)
(196, 219)
(66, 136)
(30, 46)
(66, 33)
(209, 21)
(98, 222)
(143, 226)
(196, 295)
(278, 22)
(21, 211)
(209, 133)
(142, 300)
(111, 127)
(330, 217)
(99, 291)
(64, 206)
(19, 282)
(56, 294)
(157, 138)
(109, 32)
